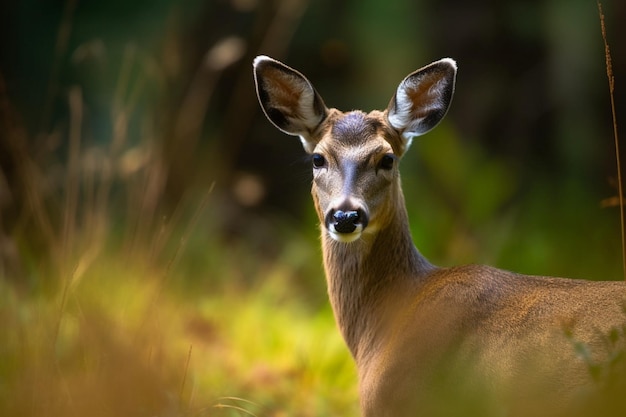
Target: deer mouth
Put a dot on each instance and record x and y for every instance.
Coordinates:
(346, 226)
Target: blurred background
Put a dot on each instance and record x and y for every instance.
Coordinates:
(156, 231)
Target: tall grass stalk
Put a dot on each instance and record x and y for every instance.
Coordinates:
(611, 80)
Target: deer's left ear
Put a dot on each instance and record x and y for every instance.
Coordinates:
(288, 99)
(422, 99)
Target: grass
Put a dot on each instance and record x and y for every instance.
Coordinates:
(163, 318)
(120, 310)
(128, 345)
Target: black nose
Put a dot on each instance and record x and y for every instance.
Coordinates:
(346, 221)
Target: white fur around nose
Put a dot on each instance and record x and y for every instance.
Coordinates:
(345, 237)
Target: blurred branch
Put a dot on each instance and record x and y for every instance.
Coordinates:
(72, 177)
(60, 48)
(242, 107)
(271, 34)
(24, 204)
(193, 110)
(611, 202)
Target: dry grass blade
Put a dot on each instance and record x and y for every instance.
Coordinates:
(611, 78)
(235, 407)
(190, 227)
(182, 385)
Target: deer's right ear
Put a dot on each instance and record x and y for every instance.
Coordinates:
(288, 99)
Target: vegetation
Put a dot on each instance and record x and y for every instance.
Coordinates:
(158, 251)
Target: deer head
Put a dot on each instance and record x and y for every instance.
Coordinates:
(355, 155)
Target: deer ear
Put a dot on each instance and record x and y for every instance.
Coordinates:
(288, 99)
(422, 99)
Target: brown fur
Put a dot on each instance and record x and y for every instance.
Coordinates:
(426, 338)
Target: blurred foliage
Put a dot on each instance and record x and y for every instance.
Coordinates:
(156, 232)
(123, 343)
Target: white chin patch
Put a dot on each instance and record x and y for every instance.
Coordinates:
(345, 237)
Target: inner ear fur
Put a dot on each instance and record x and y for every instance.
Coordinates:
(422, 99)
(288, 99)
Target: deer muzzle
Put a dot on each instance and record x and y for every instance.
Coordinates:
(346, 225)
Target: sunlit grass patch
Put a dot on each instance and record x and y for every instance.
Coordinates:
(124, 343)
(288, 357)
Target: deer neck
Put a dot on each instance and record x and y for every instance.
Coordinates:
(361, 274)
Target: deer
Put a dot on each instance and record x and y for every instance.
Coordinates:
(430, 340)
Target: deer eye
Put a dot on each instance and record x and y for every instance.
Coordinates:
(318, 160)
(386, 162)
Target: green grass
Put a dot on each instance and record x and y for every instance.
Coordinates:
(128, 344)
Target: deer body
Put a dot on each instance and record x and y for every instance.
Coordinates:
(422, 335)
